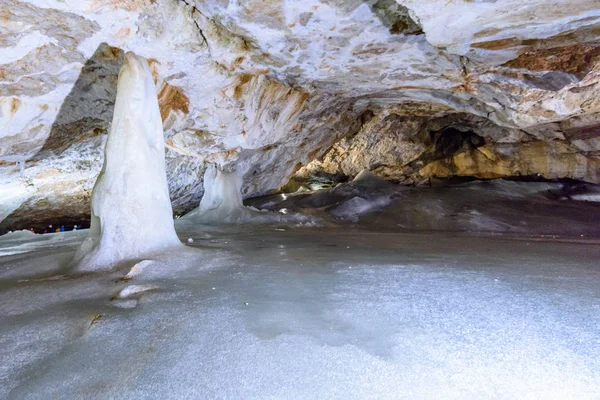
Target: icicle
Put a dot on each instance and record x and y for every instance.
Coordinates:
(22, 169)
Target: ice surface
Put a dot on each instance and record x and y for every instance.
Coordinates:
(139, 268)
(25, 241)
(131, 209)
(18, 235)
(222, 203)
(135, 289)
(493, 207)
(306, 314)
(12, 195)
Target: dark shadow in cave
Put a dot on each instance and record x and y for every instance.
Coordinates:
(448, 141)
(85, 112)
(88, 108)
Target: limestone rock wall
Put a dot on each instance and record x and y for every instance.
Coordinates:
(413, 149)
(269, 86)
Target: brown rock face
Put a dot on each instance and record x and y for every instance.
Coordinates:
(576, 59)
(172, 99)
(414, 149)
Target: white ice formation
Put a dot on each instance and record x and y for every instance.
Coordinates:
(131, 209)
(222, 203)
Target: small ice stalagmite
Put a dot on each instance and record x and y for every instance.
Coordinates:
(131, 209)
(222, 203)
(222, 200)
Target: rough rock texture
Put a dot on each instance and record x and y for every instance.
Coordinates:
(271, 85)
(414, 149)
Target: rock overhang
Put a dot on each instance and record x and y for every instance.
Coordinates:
(271, 86)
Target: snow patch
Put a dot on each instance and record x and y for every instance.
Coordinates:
(135, 289)
(125, 303)
(139, 268)
(22, 234)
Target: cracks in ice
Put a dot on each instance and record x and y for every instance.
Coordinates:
(195, 10)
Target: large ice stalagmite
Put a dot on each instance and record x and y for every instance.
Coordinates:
(131, 209)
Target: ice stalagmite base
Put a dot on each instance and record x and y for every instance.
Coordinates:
(222, 203)
(131, 209)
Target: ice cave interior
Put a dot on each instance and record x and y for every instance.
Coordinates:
(299, 199)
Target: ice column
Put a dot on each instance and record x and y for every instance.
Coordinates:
(131, 209)
(222, 190)
(222, 200)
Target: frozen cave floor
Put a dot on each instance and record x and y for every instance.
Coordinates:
(281, 312)
(493, 208)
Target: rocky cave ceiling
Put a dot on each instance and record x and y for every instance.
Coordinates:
(408, 89)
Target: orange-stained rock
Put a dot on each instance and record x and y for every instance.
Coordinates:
(172, 99)
(269, 86)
